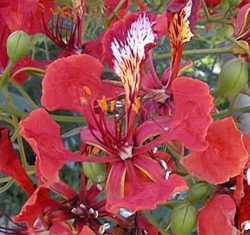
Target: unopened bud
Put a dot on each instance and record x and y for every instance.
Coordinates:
(199, 192)
(18, 45)
(183, 219)
(233, 78)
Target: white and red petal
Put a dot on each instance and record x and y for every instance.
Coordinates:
(125, 47)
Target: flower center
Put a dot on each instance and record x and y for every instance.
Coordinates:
(126, 153)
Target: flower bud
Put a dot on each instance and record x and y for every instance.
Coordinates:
(183, 219)
(233, 78)
(96, 172)
(18, 44)
(199, 192)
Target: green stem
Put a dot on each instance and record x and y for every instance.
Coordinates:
(154, 222)
(24, 94)
(6, 74)
(228, 113)
(69, 119)
(6, 186)
(59, 118)
(20, 145)
(211, 51)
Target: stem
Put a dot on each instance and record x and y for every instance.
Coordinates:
(69, 119)
(227, 113)
(6, 74)
(24, 94)
(27, 69)
(20, 145)
(46, 48)
(154, 222)
(224, 50)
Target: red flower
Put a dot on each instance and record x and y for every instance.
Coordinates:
(134, 176)
(10, 164)
(41, 213)
(217, 217)
(225, 156)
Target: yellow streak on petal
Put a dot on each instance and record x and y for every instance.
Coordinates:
(103, 104)
(145, 173)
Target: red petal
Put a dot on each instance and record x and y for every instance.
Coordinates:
(192, 113)
(244, 207)
(225, 156)
(217, 217)
(10, 164)
(125, 46)
(27, 15)
(71, 82)
(141, 187)
(86, 231)
(246, 141)
(43, 135)
(35, 206)
(65, 80)
(242, 23)
(61, 228)
(115, 182)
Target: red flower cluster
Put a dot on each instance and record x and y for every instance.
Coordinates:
(129, 122)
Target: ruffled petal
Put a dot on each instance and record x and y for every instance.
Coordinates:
(34, 207)
(43, 135)
(192, 116)
(217, 217)
(225, 156)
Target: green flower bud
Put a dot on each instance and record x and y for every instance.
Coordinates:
(183, 219)
(233, 78)
(199, 192)
(18, 45)
(96, 172)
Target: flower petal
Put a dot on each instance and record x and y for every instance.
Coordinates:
(217, 217)
(86, 231)
(192, 113)
(10, 164)
(225, 156)
(69, 81)
(34, 207)
(142, 189)
(244, 206)
(27, 15)
(125, 46)
(43, 135)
